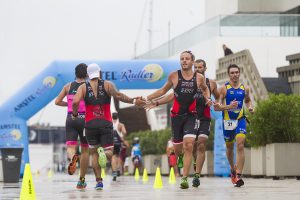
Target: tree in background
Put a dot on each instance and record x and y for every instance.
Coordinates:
(276, 120)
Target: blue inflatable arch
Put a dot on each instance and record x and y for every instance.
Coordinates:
(128, 74)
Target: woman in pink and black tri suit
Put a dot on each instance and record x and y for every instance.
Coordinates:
(75, 128)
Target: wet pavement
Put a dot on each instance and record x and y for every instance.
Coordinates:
(61, 186)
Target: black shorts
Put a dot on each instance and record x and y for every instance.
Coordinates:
(117, 149)
(182, 126)
(204, 128)
(75, 128)
(99, 137)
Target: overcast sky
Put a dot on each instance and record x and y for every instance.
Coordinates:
(34, 33)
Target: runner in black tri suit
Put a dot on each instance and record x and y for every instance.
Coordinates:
(75, 128)
(204, 118)
(183, 115)
(97, 95)
(118, 140)
(122, 132)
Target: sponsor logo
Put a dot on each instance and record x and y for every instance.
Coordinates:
(16, 134)
(48, 83)
(187, 90)
(10, 137)
(156, 70)
(109, 75)
(150, 73)
(9, 126)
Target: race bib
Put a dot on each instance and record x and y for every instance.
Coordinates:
(230, 124)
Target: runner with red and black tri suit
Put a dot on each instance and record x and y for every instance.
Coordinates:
(204, 119)
(75, 128)
(183, 119)
(97, 95)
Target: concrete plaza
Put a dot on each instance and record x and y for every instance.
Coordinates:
(61, 186)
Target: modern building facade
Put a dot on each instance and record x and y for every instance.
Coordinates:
(249, 73)
(269, 29)
(291, 72)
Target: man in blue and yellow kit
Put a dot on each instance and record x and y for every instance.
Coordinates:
(235, 96)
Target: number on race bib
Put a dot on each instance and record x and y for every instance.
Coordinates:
(230, 124)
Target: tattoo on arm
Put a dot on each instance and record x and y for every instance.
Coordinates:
(118, 95)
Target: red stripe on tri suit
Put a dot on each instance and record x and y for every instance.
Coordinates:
(98, 112)
(206, 112)
(175, 108)
(192, 107)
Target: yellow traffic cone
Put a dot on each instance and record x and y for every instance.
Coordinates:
(158, 182)
(103, 173)
(50, 174)
(27, 190)
(137, 174)
(172, 178)
(145, 175)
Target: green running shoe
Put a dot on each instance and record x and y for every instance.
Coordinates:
(102, 157)
(180, 161)
(184, 183)
(196, 180)
(81, 184)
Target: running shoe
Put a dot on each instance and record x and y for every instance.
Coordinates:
(81, 184)
(118, 173)
(196, 180)
(233, 176)
(102, 157)
(99, 185)
(184, 183)
(114, 174)
(239, 181)
(180, 161)
(72, 165)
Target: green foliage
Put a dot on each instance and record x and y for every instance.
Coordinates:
(276, 120)
(152, 142)
(155, 142)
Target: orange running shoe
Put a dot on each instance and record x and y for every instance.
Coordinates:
(72, 165)
(233, 175)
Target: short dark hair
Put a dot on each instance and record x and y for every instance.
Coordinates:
(201, 61)
(232, 66)
(189, 52)
(80, 70)
(115, 115)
